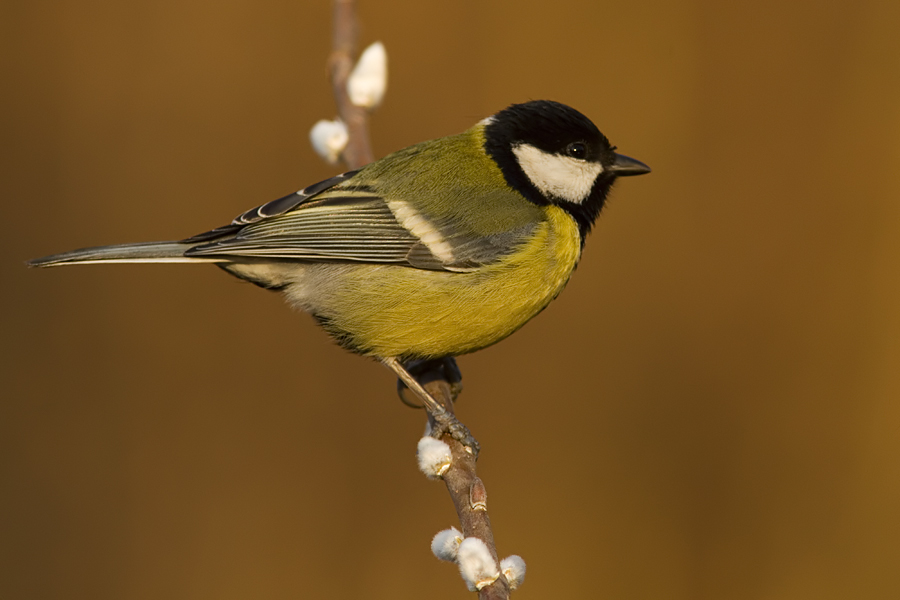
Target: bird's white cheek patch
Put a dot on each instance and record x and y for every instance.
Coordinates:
(554, 175)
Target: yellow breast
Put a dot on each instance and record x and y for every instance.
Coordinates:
(386, 310)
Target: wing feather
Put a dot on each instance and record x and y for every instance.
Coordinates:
(291, 201)
(331, 221)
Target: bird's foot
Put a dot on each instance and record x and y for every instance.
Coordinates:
(447, 423)
(441, 419)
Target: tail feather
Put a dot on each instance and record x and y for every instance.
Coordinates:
(148, 252)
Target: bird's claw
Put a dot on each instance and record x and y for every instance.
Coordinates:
(449, 424)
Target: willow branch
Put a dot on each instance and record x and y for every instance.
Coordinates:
(465, 487)
(466, 490)
(346, 28)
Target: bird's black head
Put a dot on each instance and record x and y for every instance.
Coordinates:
(553, 154)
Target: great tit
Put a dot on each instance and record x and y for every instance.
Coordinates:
(436, 250)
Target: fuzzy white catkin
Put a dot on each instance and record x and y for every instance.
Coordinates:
(434, 457)
(476, 565)
(445, 544)
(368, 80)
(329, 138)
(513, 568)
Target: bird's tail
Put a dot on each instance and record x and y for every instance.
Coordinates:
(148, 252)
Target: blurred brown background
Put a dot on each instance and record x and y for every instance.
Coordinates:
(711, 409)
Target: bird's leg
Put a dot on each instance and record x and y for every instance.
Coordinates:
(444, 421)
(425, 370)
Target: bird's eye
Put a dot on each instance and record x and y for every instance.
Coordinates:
(576, 150)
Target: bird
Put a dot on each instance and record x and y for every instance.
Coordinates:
(436, 250)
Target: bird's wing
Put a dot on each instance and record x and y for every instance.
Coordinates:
(271, 209)
(354, 223)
